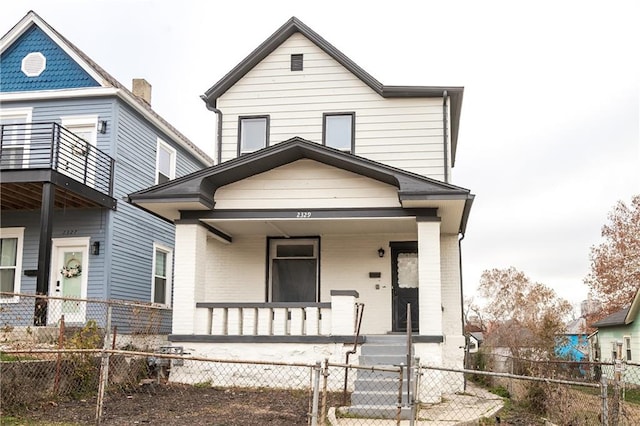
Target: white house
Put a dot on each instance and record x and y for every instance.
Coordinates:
(331, 191)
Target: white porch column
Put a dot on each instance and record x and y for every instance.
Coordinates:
(189, 276)
(429, 281)
(343, 312)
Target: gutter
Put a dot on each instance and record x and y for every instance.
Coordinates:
(218, 113)
(445, 133)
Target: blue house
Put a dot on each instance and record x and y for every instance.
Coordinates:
(74, 142)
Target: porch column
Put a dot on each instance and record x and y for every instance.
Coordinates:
(44, 252)
(343, 312)
(189, 276)
(429, 278)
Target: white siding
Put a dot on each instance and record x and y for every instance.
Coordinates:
(308, 184)
(402, 132)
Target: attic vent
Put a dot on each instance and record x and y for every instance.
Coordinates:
(33, 64)
(296, 62)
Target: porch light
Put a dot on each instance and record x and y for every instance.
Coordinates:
(102, 126)
(380, 252)
(95, 248)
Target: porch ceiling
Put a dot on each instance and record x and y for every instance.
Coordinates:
(28, 196)
(307, 227)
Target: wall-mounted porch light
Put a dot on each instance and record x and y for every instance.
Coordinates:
(102, 126)
(95, 248)
(380, 252)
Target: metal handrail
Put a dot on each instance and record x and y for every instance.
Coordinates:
(359, 312)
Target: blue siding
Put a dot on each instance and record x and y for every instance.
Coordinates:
(61, 71)
(82, 223)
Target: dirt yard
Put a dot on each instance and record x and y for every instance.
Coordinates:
(180, 405)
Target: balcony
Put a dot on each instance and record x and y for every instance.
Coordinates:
(33, 153)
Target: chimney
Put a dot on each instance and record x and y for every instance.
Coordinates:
(142, 89)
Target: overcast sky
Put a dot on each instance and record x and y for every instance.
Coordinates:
(549, 133)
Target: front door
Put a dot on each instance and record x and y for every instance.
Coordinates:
(404, 281)
(68, 279)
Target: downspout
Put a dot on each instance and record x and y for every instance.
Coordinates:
(218, 142)
(445, 132)
(466, 337)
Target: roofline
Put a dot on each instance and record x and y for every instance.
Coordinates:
(294, 25)
(103, 78)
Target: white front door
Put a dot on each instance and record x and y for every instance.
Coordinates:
(69, 271)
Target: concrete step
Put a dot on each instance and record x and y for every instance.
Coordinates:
(377, 397)
(375, 412)
(377, 374)
(396, 339)
(388, 360)
(382, 349)
(377, 384)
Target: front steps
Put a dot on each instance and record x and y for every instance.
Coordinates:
(375, 393)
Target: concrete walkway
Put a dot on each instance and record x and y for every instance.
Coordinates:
(455, 409)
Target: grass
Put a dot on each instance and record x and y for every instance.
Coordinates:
(16, 421)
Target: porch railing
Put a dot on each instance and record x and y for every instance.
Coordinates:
(279, 319)
(48, 145)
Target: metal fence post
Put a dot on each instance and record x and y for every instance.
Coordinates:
(400, 385)
(323, 406)
(605, 403)
(104, 368)
(316, 394)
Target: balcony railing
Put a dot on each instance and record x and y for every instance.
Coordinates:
(51, 146)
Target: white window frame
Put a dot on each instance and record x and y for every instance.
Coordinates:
(82, 122)
(14, 232)
(169, 274)
(627, 348)
(326, 118)
(273, 249)
(27, 114)
(172, 160)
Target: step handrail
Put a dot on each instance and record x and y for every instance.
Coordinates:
(359, 312)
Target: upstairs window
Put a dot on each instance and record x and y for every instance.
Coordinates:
(165, 162)
(627, 347)
(338, 131)
(253, 133)
(11, 240)
(161, 291)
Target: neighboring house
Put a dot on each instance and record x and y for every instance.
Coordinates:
(573, 345)
(618, 333)
(332, 189)
(74, 143)
(476, 338)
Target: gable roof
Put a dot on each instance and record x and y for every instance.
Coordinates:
(294, 25)
(199, 187)
(105, 79)
(622, 317)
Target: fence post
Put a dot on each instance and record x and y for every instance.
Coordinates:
(104, 368)
(323, 406)
(56, 383)
(605, 403)
(400, 385)
(316, 394)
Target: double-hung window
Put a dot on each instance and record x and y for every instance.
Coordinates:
(338, 130)
(294, 269)
(11, 241)
(161, 287)
(627, 347)
(165, 162)
(253, 133)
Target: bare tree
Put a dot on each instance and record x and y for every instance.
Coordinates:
(525, 316)
(615, 262)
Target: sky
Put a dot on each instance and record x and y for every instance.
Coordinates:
(549, 132)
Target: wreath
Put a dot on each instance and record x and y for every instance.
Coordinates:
(71, 269)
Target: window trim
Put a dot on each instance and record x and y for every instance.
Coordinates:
(627, 348)
(353, 129)
(82, 121)
(169, 272)
(15, 232)
(273, 241)
(27, 113)
(249, 117)
(172, 165)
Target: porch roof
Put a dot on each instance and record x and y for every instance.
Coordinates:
(184, 196)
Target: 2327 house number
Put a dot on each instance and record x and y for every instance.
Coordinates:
(303, 215)
(70, 232)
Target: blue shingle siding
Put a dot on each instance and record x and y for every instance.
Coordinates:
(61, 71)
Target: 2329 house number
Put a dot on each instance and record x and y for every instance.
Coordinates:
(70, 232)
(303, 215)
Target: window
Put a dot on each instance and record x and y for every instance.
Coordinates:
(16, 134)
(83, 127)
(296, 62)
(165, 162)
(253, 134)
(338, 131)
(627, 347)
(11, 240)
(161, 287)
(294, 269)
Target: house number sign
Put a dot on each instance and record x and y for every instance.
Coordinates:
(303, 215)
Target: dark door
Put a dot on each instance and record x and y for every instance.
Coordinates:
(404, 281)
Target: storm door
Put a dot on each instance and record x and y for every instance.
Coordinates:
(404, 281)
(69, 280)
(293, 270)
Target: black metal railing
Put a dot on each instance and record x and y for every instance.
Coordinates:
(51, 146)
